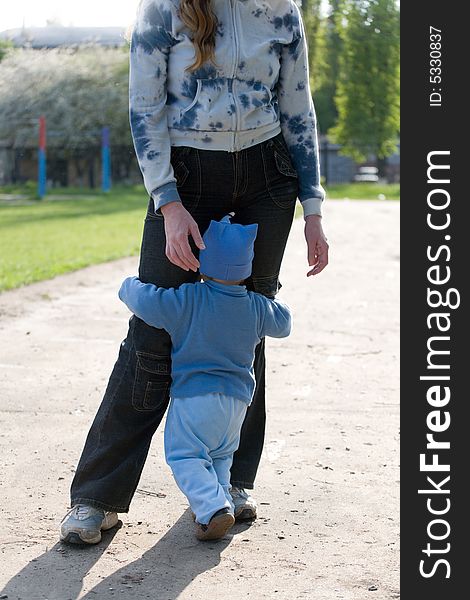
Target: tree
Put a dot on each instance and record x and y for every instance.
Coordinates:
(5, 47)
(367, 95)
(311, 16)
(325, 67)
(78, 91)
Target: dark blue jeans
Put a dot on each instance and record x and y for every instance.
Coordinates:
(260, 185)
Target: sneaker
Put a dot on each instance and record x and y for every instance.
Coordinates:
(217, 527)
(83, 524)
(245, 505)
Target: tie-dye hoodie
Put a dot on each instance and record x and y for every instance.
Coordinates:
(259, 87)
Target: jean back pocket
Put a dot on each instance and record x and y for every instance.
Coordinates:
(152, 381)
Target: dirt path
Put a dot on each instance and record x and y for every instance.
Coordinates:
(328, 482)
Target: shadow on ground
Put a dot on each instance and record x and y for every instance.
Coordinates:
(162, 573)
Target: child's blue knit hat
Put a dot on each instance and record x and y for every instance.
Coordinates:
(229, 250)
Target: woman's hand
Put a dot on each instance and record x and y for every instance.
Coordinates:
(179, 225)
(317, 247)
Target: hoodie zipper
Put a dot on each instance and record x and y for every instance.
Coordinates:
(234, 68)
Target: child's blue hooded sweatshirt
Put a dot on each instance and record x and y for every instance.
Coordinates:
(214, 331)
(259, 88)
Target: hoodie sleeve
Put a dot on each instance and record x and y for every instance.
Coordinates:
(156, 306)
(297, 116)
(150, 46)
(277, 321)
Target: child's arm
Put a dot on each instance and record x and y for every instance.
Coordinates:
(277, 319)
(159, 307)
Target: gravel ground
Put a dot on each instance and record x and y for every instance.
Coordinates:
(328, 482)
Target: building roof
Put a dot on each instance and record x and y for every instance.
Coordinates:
(54, 36)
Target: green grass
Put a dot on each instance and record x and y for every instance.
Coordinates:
(363, 191)
(41, 239)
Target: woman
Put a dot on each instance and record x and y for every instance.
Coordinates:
(222, 120)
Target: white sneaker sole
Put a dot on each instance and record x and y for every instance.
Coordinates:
(77, 535)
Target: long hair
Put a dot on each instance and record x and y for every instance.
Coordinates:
(201, 20)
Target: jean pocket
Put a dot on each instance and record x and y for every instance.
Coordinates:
(181, 172)
(152, 213)
(283, 158)
(152, 381)
(284, 165)
(281, 175)
(187, 171)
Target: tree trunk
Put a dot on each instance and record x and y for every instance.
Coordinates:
(382, 168)
(91, 170)
(79, 170)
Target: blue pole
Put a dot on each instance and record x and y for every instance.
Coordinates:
(105, 161)
(42, 173)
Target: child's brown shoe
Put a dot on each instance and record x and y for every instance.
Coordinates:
(217, 527)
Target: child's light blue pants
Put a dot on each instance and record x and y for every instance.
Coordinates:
(201, 435)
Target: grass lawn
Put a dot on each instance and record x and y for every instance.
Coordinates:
(41, 239)
(364, 191)
(358, 192)
(72, 228)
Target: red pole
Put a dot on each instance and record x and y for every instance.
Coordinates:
(42, 133)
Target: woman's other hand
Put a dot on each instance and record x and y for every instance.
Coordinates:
(179, 225)
(317, 247)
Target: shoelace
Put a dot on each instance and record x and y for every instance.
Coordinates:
(82, 510)
(238, 492)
